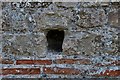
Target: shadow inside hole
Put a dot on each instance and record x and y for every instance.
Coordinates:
(55, 40)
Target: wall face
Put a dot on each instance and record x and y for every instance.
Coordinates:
(91, 45)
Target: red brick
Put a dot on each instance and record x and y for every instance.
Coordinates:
(7, 61)
(111, 73)
(113, 63)
(17, 71)
(72, 61)
(65, 61)
(57, 70)
(41, 62)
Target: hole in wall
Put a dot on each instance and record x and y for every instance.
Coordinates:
(55, 40)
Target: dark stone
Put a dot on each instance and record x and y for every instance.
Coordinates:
(55, 40)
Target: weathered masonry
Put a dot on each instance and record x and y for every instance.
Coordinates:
(60, 39)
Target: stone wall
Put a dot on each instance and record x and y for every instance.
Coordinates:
(91, 46)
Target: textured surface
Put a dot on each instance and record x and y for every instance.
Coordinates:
(91, 46)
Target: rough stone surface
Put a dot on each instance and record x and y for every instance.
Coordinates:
(92, 33)
(25, 45)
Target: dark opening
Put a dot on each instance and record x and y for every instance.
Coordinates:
(55, 40)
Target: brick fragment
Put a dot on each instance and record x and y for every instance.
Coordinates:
(116, 63)
(111, 73)
(57, 70)
(41, 62)
(72, 61)
(0, 58)
(22, 71)
(6, 61)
